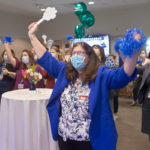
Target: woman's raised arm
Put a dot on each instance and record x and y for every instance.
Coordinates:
(130, 64)
(39, 48)
(9, 54)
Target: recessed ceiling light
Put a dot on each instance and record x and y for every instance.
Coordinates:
(91, 3)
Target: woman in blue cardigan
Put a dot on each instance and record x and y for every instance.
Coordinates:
(79, 110)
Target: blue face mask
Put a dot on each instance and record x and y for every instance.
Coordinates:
(78, 62)
(25, 59)
(5, 58)
(53, 54)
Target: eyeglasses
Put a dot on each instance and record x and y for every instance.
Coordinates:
(78, 52)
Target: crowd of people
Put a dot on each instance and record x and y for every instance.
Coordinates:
(83, 81)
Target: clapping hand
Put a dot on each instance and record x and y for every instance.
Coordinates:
(5, 71)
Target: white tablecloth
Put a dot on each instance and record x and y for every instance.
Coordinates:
(24, 122)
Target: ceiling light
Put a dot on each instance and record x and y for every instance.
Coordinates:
(91, 3)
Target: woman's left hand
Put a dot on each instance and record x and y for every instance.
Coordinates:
(5, 71)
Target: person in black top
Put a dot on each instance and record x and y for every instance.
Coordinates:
(144, 97)
(7, 74)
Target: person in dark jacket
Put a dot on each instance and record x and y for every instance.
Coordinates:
(144, 97)
(7, 74)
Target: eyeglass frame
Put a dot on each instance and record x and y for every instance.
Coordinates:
(78, 52)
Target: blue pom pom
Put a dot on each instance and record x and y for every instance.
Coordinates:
(118, 44)
(69, 37)
(7, 39)
(133, 42)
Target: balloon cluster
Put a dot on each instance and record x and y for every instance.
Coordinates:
(131, 43)
(86, 18)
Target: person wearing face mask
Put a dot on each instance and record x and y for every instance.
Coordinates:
(25, 62)
(143, 96)
(143, 60)
(143, 57)
(113, 93)
(79, 110)
(67, 56)
(49, 80)
(7, 74)
(57, 51)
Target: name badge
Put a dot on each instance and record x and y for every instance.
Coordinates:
(20, 86)
(83, 98)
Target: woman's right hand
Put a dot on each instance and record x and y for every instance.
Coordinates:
(32, 29)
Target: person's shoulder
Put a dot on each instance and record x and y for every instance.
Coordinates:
(147, 65)
(103, 69)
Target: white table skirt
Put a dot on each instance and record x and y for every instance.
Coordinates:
(24, 122)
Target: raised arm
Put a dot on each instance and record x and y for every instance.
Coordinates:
(130, 64)
(9, 54)
(45, 59)
(39, 48)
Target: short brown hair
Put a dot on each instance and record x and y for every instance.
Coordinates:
(90, 70)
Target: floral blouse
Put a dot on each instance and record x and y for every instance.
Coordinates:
(75, 120)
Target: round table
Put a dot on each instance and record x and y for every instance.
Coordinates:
(24, 121)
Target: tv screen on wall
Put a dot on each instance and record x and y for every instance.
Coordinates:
(102, 40)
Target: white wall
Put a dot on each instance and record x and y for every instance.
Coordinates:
(113, 21)
(18, 45)
(15, 26)
(108, 21)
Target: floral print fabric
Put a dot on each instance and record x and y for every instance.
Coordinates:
(74, 121)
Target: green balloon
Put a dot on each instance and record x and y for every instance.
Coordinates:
(79, 31)
(87, 19)
(80, 8)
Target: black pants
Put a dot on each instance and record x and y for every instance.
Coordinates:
(115, 99)
(73, 145)
(137, 83)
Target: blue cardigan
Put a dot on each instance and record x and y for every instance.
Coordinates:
(102, 131)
